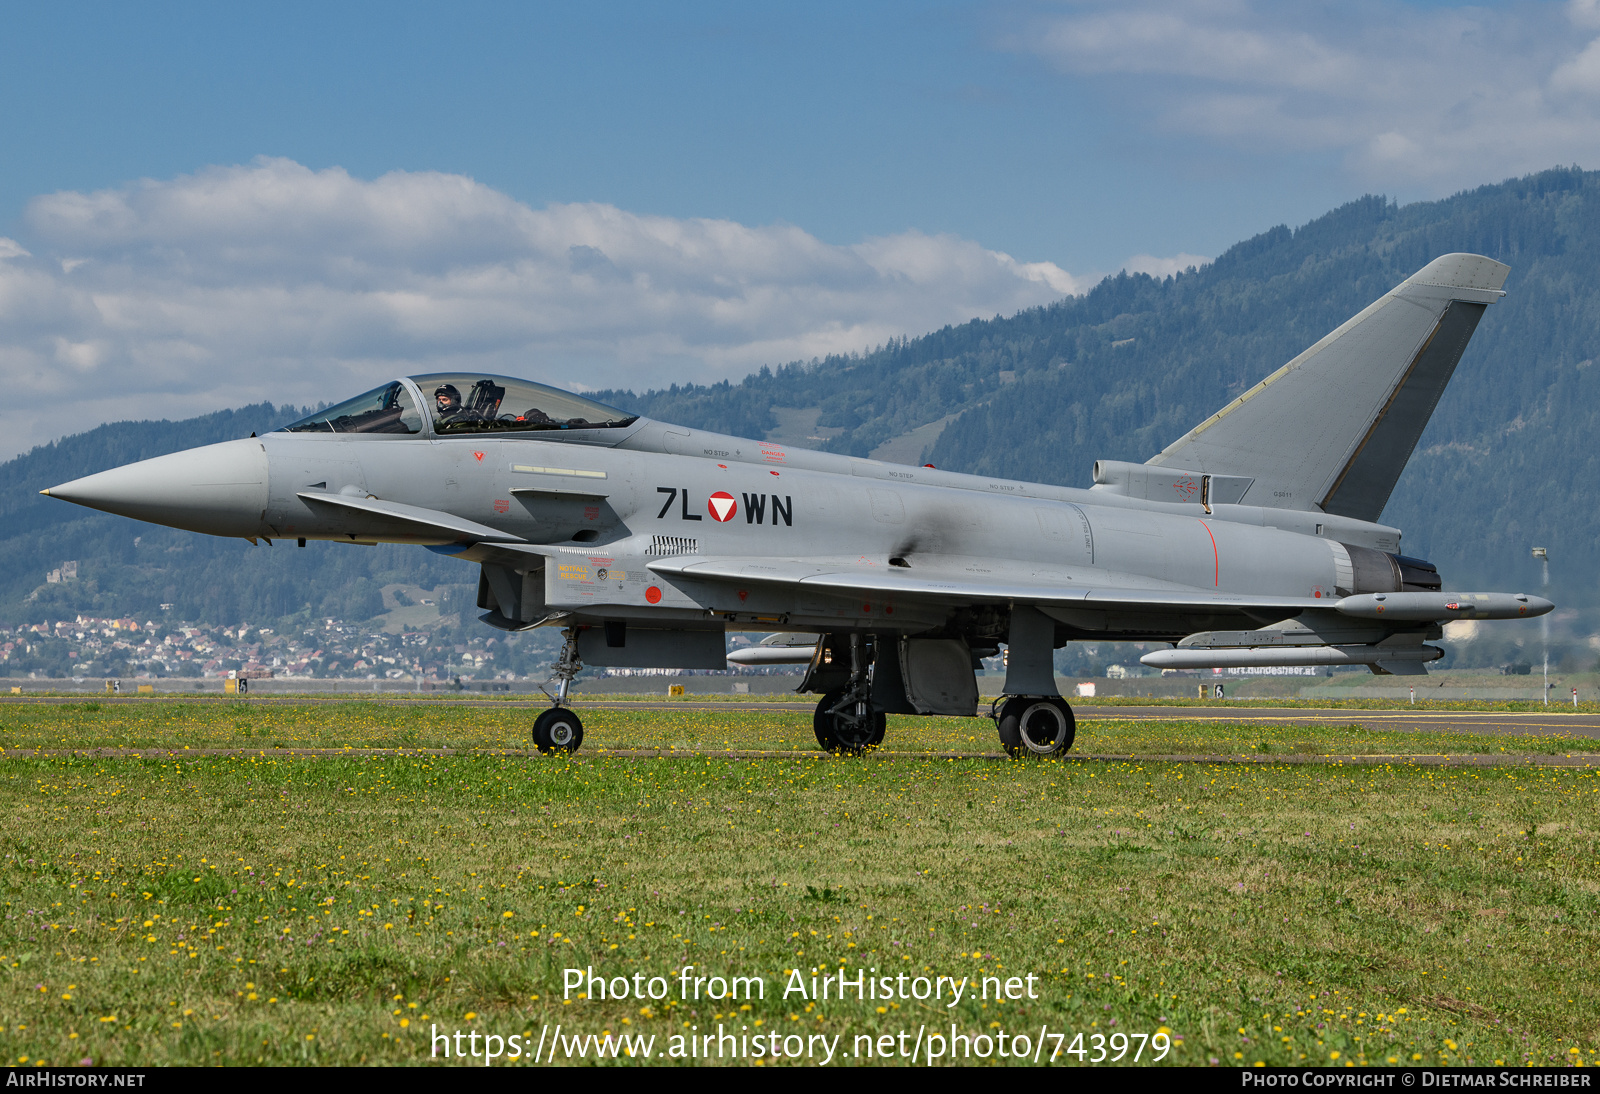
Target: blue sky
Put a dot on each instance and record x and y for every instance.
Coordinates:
(848, 120)
(211, 203)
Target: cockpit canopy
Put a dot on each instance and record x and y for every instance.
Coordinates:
(387, 409)
(491, 404)
(459, 403)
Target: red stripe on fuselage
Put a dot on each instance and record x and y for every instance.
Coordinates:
(1215, 561)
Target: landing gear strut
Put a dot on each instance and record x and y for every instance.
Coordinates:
(1036, 725)
(558, 729)
(845, 721)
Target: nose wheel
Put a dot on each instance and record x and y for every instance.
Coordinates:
(557, 730)
(1036, 725)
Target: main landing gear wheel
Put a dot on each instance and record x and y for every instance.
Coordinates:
(557, 730)
(1034, 725)
(847, 726)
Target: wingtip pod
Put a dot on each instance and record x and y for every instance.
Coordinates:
(1462, 271)
(1442, 607)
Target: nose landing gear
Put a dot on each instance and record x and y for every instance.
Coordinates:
(558, 729)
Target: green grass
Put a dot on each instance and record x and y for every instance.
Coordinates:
(247, 724)
(345, 906)
(1322, 702)
(444, 697)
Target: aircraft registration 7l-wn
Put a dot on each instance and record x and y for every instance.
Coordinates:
(1250, 540)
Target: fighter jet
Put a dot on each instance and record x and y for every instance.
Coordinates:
(1251, 540)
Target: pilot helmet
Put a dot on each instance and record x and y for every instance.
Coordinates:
(450, 390)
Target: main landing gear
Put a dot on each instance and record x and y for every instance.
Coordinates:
(558, 729)
(846, 721)
(1035, 725)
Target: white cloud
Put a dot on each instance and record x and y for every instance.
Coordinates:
(1430, 97)
(273, 281)
(1581, 74)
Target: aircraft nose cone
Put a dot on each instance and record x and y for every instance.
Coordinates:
(220, 489)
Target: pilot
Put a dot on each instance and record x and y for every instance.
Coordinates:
(447, 403)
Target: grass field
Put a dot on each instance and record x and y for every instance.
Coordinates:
(444, 697)
(248, 724)
(290, 909)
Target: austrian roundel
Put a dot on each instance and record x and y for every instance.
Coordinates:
(722, 506)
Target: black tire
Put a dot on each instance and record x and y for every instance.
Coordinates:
(557, 730)
(821, 724)
(845, 732)
(1033, 725)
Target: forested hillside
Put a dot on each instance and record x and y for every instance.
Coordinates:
(1508, 461)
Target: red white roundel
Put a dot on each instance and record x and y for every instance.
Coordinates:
(722, 506)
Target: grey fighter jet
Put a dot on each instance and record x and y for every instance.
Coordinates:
(1251, 540)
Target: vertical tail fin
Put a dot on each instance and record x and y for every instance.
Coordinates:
(1333, 429)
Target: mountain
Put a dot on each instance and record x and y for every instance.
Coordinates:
(1508, 461)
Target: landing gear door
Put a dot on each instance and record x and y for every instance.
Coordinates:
(938, 676)
(830, 665)
(515, 598)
